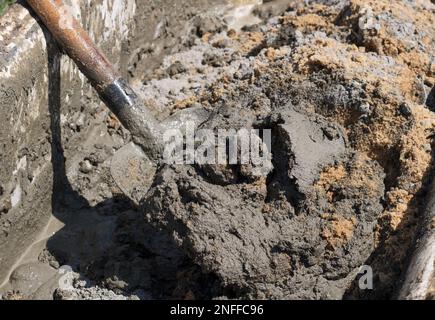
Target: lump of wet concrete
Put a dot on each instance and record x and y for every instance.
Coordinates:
(261, 244)
(207, 221)
(261, 248)
(311, 143)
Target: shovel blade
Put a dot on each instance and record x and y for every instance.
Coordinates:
(133, 172)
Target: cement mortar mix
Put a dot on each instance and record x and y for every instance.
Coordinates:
(347, 88)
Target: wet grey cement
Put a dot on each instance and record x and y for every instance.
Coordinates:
(205, 231)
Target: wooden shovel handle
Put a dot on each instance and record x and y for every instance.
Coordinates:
(75, 41)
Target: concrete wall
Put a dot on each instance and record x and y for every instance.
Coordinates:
(135, 34)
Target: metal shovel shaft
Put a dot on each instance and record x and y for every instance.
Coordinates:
(112, 89)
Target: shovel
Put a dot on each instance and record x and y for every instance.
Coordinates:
(133, 166)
